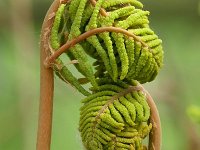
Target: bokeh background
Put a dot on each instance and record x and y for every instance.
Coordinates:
(177, 87)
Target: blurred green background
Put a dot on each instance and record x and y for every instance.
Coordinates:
(177, 87)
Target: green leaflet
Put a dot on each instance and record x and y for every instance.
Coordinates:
(54, 38)
(73, 8)
(119, 40)
(64, 74)
(111, 3)
(114, 116)
(77, 51)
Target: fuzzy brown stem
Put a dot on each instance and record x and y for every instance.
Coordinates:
(49, 61)
(46, 84)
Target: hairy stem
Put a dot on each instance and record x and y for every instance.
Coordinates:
(46, 84)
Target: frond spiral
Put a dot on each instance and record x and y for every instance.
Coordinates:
(115, 113)
(114, 117)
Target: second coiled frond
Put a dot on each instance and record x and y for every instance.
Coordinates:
(115, 117)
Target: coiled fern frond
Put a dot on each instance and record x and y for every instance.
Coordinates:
(116, 51)
(114, 118)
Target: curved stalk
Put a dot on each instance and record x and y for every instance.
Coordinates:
(46, 85)
(155, 137)
(84, 36)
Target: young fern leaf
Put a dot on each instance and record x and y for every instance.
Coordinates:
(116, 115)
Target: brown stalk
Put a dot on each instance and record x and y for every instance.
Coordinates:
(47, 81)
(155, 137)
(86, 35)
(46, 84)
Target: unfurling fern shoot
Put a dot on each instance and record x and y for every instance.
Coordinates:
(115, 51)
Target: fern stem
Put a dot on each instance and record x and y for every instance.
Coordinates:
(46, 84)
(155, 136)
(48, 62)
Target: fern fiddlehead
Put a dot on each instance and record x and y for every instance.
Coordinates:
(116, 36)
(113, 118)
